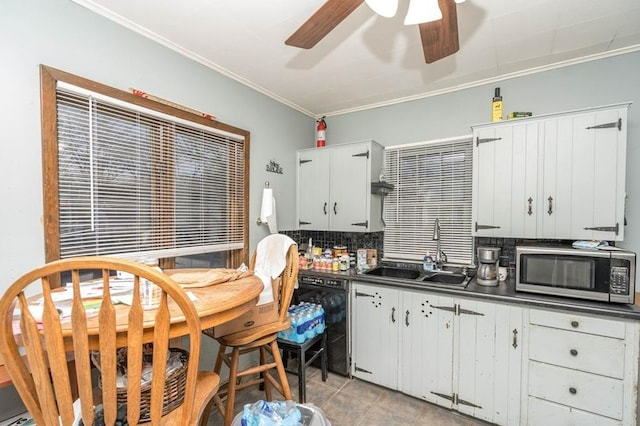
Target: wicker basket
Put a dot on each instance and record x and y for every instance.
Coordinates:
(173, 390)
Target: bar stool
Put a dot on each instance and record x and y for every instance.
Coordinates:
(317, 345)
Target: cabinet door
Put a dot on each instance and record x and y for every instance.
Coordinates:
(488, 217)
(488, 356)
(598, 175)
(508, 364)
(375, 334)
(556, 165)
(313, 189)
(505, 180)
(350, 187)
(583, 173)
(524, 180)
(427, 347)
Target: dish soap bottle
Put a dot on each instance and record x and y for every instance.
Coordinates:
(496, 106)
(427, 262)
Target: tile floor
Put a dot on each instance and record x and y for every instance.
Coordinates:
(350, 402)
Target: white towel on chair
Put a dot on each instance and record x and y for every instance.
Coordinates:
(271, 259)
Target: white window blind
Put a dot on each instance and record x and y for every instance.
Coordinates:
(432, 181)
(135, 182)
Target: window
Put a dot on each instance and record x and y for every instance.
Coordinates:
(432, 181)
(131, 177)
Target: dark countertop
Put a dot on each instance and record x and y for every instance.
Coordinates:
(504, 292)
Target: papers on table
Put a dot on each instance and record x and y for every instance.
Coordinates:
(91, 294)
(93, 290)
(121, 291)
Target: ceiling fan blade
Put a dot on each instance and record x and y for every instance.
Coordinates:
(322, 22)
(440, 38)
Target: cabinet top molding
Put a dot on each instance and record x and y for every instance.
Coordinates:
(553, 114)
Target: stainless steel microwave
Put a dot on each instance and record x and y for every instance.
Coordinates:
(604, 275)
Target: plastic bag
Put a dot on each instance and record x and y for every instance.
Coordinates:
(274, 413)
(98, 420)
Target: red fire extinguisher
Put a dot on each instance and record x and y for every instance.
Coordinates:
(322, 127)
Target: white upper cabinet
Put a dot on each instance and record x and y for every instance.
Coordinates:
(559, 176)
(504, 180)
(313, 189)
(334, 188)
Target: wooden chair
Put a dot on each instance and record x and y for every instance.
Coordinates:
(261, 338)
(43, 381)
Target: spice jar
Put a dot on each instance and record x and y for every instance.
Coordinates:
(344, 262)
(335, 266)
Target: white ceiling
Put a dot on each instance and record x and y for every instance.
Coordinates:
(368, 60)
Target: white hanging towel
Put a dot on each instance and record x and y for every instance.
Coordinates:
(268, 210)
(271, 259)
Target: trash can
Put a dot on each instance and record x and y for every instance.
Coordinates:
(311, 416)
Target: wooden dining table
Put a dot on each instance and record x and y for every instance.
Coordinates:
(215, 304)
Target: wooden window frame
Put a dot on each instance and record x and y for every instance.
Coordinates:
(49, 77)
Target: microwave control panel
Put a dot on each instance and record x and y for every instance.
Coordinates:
(619, 283)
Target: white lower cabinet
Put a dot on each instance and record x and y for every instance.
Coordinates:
(579, 369)
(459, 353)
(375, 334)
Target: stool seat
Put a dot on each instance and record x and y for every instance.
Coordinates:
(318, 347)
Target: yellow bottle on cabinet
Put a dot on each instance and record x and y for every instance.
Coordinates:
(496, 106)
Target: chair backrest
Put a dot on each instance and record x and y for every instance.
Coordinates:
(289, 278)
(47, 336)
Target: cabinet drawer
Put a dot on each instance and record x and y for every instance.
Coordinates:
(577, 389)
(580, 323)
(586, 352)
(544, 413)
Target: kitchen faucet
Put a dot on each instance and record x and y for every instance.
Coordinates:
(440, 257)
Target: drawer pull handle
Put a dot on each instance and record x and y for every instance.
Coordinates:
(575, 324)
(573, 391)
(573, 352)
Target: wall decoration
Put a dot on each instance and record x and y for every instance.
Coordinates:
(274, 167)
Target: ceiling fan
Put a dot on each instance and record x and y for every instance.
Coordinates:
(439, 36)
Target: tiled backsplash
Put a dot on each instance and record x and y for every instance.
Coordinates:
(352, 240)
(356, 240)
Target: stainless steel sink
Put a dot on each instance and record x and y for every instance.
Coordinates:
(449, 277)
(391, 272)
(444, 278)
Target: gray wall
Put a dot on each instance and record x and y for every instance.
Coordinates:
(601, 82)
(66, 36)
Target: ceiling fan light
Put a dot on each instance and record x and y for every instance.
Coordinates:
(386, 8)
(421, 11)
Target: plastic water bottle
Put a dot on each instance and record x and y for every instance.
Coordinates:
(427, 263)
(321, 319)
